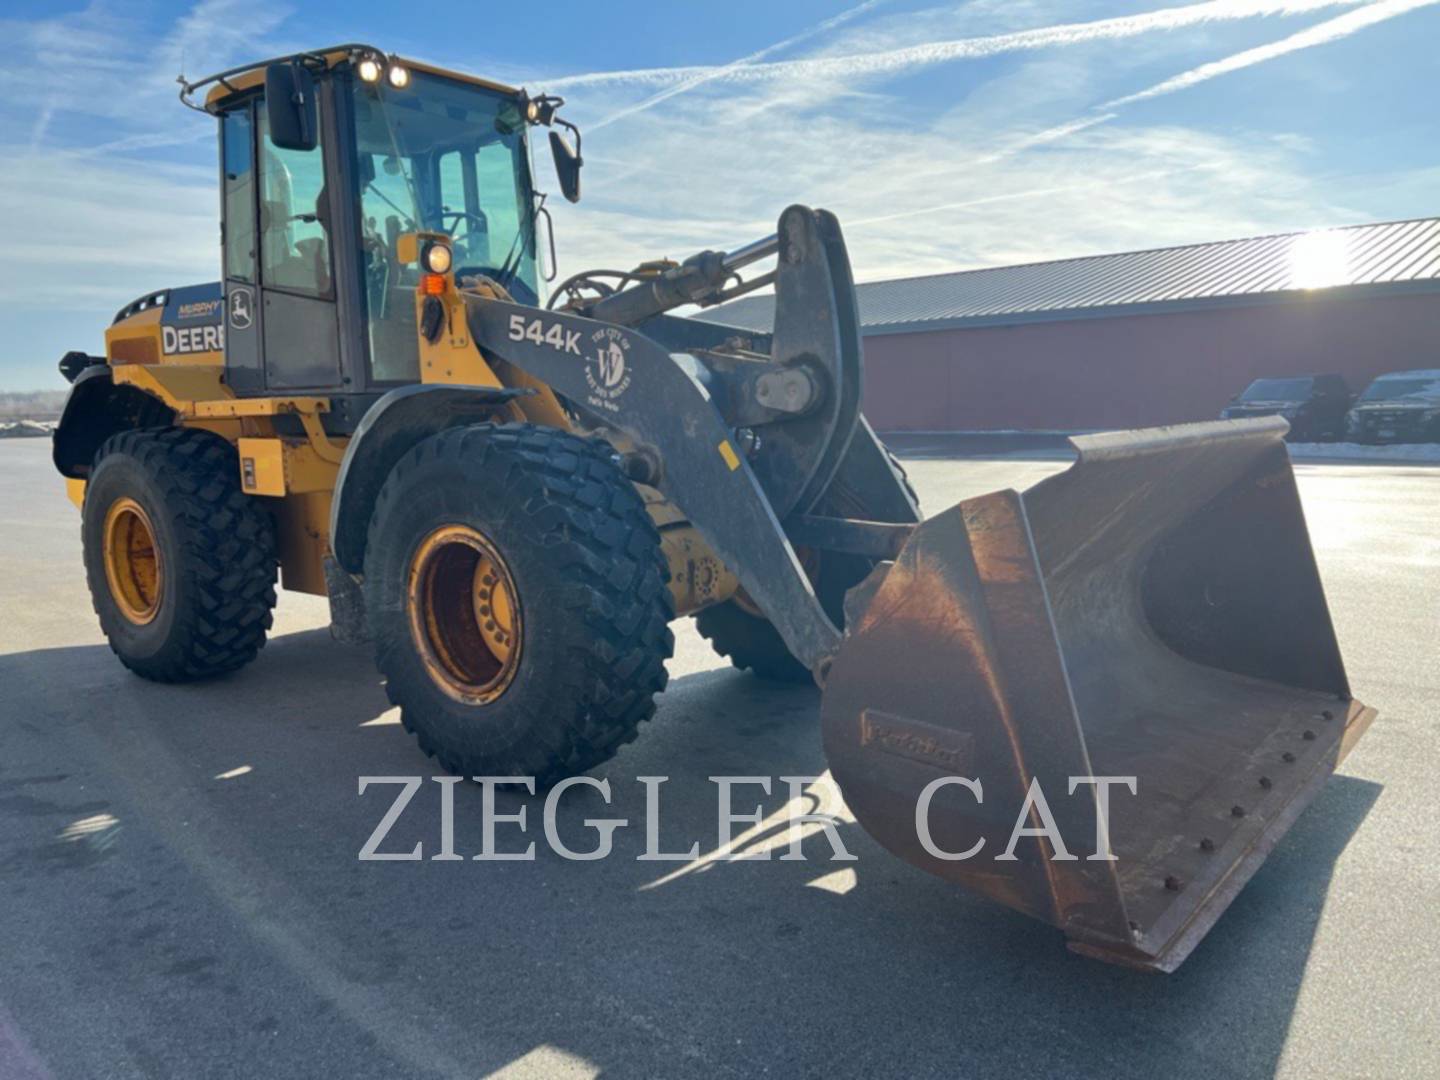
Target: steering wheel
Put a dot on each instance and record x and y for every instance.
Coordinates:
(480, 222)
(516, 287)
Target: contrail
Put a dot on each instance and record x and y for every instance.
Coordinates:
(709, 74)
(1031, 193)
(1341, 26)
(891, 61)
(1331, 30)
(41, 126)
(1056, 133)
(1049, 135)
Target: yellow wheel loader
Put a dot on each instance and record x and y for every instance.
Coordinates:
(512, 502)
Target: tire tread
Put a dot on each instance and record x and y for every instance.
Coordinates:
(612, 573)
(228, 554)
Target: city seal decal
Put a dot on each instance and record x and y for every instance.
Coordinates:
(607, 368)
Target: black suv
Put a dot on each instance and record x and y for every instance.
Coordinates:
(1314, 404)
(1402, 407)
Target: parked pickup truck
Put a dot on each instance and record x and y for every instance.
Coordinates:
(1402, 407)
(1314, 404)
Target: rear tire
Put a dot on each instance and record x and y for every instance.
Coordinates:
(750, 641)
(737, 631)
(542, 526)
(181, 563)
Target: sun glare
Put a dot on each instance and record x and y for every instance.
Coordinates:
(1320, 259)
(88, 827)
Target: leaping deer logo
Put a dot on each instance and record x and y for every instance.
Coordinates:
(240, 308)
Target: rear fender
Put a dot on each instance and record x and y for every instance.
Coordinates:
(97, 409)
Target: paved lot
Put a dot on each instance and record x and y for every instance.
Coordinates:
(180, 893)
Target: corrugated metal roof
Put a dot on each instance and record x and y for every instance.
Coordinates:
(1394, 254)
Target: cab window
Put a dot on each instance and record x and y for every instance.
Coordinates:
(437, 156)
(238, 153)
(499, 169)
(460, 209)
(294, 248)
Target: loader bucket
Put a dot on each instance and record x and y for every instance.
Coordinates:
(1153, 612)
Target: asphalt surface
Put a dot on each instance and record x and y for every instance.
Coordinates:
(180, 893)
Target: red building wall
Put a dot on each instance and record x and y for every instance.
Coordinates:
(1137, 370)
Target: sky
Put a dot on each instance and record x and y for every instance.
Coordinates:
(945, 136)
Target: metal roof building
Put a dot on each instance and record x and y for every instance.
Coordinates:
(1141, 337)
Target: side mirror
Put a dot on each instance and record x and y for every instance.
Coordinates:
(567, 166)
(290, 106)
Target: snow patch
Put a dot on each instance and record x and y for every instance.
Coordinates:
(1363, 452)
(20, 429)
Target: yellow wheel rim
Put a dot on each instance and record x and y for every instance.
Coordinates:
(133, 567)
(464, 614)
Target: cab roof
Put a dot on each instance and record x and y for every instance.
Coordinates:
(233, 81)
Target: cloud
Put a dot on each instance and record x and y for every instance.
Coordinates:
(109, 231)
(1063, 131)
(1324, 33)
(916, 57)
(693, 81)
(968, 188)
(109, 180)
(101, 63)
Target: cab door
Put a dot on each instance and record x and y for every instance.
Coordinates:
(282, 331)
(299, 327)
(244, 363)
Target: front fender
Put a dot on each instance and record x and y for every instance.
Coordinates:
(393, 425)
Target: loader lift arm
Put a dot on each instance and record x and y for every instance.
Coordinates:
(668, 411)
(804, 400)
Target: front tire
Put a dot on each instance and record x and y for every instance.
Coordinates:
(181, 563)
(517, 596)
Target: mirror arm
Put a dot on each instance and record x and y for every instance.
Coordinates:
(297, 99)
(544, 211)
(579, 160)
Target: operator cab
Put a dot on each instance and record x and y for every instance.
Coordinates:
(328, 161)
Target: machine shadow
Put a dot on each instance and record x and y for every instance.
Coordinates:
(901, 951)
(658, 968)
